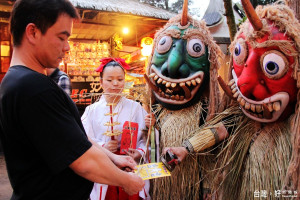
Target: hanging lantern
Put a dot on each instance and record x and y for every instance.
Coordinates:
(146, 44)
(118, 45)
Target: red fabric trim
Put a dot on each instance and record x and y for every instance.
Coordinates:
(141, 150)
(100, 192)
(145, 192)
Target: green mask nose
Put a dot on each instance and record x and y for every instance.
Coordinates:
(175, 59)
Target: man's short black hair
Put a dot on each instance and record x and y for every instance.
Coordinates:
(43, 13)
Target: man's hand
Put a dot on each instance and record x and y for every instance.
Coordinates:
(111, 145)
(136, 184)
(180, 152)
(150, 120)
(95, 166)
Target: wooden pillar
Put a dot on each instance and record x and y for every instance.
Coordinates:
(295, 5)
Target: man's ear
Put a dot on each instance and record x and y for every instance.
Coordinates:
(32, 33)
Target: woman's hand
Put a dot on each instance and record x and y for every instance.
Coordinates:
(135, 154)
(111, 145)
(150, 120)
(124, 162)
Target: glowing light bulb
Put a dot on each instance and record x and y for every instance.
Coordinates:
(125, 30)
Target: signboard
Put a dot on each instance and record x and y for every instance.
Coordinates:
(85, 92)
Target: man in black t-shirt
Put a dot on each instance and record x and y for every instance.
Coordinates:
(47, 152)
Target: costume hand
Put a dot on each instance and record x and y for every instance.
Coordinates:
(111, 145)
(135, 154)
(124, 162)
(134, 184)
(150, 120)
(206, 196)
(180, 152)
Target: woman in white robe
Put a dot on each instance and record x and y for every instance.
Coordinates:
(112, 79)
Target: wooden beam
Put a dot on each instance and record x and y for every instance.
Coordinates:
(133, 42)
(133, 23)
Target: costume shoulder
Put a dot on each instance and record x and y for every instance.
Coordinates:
(96, 107)
(135, 103)
(136, 106)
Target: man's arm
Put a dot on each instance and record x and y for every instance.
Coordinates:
(120, 161)
(96, 166)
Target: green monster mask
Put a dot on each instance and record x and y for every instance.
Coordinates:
(184, 59)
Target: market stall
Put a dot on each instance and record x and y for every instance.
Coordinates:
(107, 28)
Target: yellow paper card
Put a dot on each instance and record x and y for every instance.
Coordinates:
(152, 170)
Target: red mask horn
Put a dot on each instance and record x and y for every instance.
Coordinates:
(184, 18)
(252, 16)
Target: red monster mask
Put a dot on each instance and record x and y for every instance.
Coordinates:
(264, 58)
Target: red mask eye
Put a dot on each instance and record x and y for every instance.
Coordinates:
(274, 64)
(240, 52)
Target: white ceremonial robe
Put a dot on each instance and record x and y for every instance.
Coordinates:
(93, 120)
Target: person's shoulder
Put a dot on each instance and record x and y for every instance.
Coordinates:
(20, 71)
(23, 76)
(131, 102)
(63, 74)
(64, 79)
(96, 105)
(22, 80)
(128, 100)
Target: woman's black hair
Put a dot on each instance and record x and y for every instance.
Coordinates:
(113, 64)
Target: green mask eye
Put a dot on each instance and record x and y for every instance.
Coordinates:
(164, 44)
(195, 48)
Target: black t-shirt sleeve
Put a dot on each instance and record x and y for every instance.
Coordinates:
(53, 130)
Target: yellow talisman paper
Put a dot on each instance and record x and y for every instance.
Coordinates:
(152, 170)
